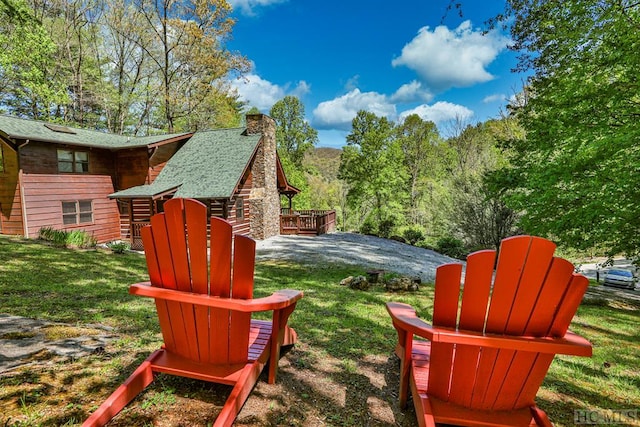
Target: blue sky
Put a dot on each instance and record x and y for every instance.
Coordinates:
(390, 57)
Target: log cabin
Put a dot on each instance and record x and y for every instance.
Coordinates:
(110, 185)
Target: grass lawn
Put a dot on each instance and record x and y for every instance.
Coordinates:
(342, 372)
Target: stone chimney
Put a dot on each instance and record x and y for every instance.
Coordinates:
(264, 200)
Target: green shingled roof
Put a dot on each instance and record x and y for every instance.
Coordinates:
(208, 166)
(22, 129)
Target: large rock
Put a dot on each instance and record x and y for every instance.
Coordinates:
(403, 283)
(359, 282)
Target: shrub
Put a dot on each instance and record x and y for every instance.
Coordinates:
(386, 227)
(369, 228)
(62, 239)
(452, 247)
(119, 247)
(46, 233)
(425, 244)
(80, 239)
(413, 235)
(59, 238)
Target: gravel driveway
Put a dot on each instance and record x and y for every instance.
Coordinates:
(375, 253)
(367, 251)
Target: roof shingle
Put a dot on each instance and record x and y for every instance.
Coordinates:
(19, 129)
(208, 166)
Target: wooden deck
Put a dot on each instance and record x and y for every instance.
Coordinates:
(307, 222)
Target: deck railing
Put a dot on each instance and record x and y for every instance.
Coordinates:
(305, 222)
(136, 235)
(308, 222)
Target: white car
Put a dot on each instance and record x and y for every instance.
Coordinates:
(620, 278)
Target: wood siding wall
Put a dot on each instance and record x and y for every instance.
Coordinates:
(241, 226)
(10, 205)
(43, 196)
(42, 158)
(132, 168)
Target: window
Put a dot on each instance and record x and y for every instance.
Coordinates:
(239, 208)
(73, 161)
(1, 158)
(77, 212)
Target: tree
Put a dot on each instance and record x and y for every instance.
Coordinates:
(481, 217)
(28, 86)
(294, 135)
(73, 26)
(419, 142)
(184, 43)
(575, 174)
(371, 164)
(127, 70)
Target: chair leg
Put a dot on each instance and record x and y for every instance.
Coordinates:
(137, 381)
(239, 395)
(540, 417)
(427, 415)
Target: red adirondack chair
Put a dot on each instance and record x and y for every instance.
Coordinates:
(485, 360)
(204, 309)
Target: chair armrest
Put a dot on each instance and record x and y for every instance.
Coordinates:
(405, 318)
(276, 301)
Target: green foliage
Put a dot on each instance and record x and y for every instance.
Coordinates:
(480, 216)
(420, 144)
(45, 233)
(298, 178)
(450, 246)
(575, 174)
(120, 65)
(371, 165)
(119, 247)
(409, 174)
(413, 234)
(293, 134)
(28, 82)
(61, 238)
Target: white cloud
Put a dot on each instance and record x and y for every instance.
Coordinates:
(446, 58)
(262, 94)
(339, 112)
(496, 97)
(301, 89)
(248, 6)
(440, 112)
(352, 83)
(412, 92)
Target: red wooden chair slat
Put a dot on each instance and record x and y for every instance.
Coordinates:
(243, 267)
(445, 313)
(558, 280)
(220, 285)
(533, 277)
(511, 260)
(204, 310)
(474, 372)
(155, 277)
(195, 216)
(220, 263)
(571, 302)
(479, 274)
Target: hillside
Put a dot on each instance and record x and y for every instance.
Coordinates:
(325, 160)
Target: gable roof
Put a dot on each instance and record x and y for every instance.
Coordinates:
(208, 166)
(22, 129)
